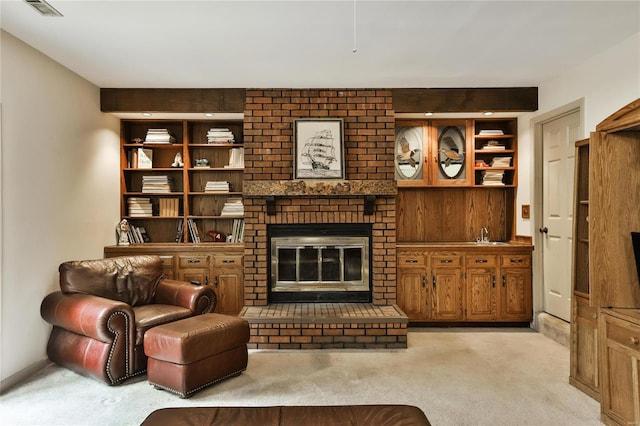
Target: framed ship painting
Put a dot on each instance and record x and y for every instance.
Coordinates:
(318, 146)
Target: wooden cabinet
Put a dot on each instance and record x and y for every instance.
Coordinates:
(446, 281)
(620, 373)
(584, 312)
(161, 195)
(465, 284)
(219, 266)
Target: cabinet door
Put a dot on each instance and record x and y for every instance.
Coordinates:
(515, 297)
(620, 370)
(167, 265)
(584, 347)
(194, 268)
(481, 294)
(410, 154)
(450, 153)
(446, 293)
(228, 284)
(412, 293)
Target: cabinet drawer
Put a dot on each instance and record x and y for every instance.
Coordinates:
(628, 336)
(191, 261)
(167, 260)
(446, 259)
(516, 260)
(481, 260)
(227, 260)
(407, 260)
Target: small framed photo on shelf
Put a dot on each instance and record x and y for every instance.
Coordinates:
(318, 145)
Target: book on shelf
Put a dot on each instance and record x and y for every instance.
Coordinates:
(193, 230)
(237, 233)
(168, 206)
(493, 145)
(220, 135)
(236, 158)
(138, 234)
(139, 206)
(233, 207)
(501, 162)
(144, 158)
(161, 184)
(491, 132)
(159, 136)
(492, 178)
(179, 230)
(217, 186)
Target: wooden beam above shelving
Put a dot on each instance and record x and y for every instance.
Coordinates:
(444, 100)
(447, 100)
(172, 100)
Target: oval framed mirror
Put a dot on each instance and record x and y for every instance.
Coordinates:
(451, 151)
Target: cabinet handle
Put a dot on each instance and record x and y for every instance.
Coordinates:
(411, 261)
(433, 280)
(446, 260)
(504, 281)
(215, 282)
(206, 280)
(228, 261)
(193, 261)
(515, 260)
(634, 340)
(424, 281)
(493, 281)
(194, 282)
(481, 260)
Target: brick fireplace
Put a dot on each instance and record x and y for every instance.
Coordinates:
(366, 197)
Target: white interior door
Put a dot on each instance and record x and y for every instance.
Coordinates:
(558, 138)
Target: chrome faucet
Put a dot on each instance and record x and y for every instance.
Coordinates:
(484, 235)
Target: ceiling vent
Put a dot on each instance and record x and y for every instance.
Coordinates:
(43, 7)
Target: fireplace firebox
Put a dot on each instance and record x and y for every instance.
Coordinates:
(319, 263)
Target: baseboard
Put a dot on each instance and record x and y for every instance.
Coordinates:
(22, 375)
(554, 328)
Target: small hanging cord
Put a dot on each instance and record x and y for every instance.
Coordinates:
(355, 48)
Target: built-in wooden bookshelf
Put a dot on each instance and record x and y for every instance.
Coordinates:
(186, 164)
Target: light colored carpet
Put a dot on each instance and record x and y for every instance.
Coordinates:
(456, 376)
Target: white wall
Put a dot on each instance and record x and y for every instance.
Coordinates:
(60, 189)
(605, 83)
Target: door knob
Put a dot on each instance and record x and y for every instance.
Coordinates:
(544, 230)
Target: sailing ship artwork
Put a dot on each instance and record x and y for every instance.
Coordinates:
(318, 146)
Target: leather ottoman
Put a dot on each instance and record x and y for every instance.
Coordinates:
(336, 415)
(188, 355)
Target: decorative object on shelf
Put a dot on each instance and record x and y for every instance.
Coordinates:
(177, 161)
(201, 162)
(218, 237)
(318, 148)
(123, 230)
(451, 155)
(408, 150)
(236, 158)
(137, 140)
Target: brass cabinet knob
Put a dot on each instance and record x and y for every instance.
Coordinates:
(634, 340)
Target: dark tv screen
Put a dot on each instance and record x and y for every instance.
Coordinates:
(635, 240)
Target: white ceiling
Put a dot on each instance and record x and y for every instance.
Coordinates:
(213, 44)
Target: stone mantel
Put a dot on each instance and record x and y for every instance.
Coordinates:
(318, 188)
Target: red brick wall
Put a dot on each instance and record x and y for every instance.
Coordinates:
(369, 149)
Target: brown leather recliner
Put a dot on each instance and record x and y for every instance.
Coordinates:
(104, 309)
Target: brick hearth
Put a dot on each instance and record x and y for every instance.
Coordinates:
(326, 325)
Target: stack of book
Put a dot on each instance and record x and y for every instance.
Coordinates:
(237, 233)
(157, 184)
(193, 231)
(217, 186)
(493, 146)
(491, 132)
(501, 162)
(138, 235)
(236, 158)
(168, 206)
(220, 135)
(140, 206)
(159, 136)
(233, 207)
(492, 178)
